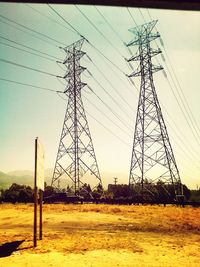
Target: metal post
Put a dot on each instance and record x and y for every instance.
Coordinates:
(35, 199)
(115, 180)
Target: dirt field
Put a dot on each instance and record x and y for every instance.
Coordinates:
(102, 235)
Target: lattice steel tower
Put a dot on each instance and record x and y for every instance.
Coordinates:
(153, 161)
(76, 160)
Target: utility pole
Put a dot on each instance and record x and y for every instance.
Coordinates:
(115, 180)
(76, 160)
(153, 160)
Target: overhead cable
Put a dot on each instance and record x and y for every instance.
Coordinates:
(27, 67)
(30, 29)
(30, 85)
(108, 106)
(26, 51)
(31, 48)
(97, 29)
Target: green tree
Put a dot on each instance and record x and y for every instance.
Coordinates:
(97, 193)
(18, 193)
(49, 191)
(195, 195)
(85, 190)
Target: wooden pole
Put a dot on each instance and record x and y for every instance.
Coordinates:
(35, 200)
(41, 200)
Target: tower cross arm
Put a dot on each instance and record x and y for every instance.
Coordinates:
(148, 37)
(135, 73)
(156, 68)
(133, 58)
(152, 36)
(133, 42)
(155, 52)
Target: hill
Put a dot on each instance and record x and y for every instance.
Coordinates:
(22, 177)
(6, 180)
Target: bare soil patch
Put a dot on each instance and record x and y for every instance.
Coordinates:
(102, 235)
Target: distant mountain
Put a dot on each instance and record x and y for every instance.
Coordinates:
(26, 177)
(20, 173)
(22, 177)
(47, 173)
(6, 180)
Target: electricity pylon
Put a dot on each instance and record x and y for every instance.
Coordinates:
(153, 162)
(76, 160)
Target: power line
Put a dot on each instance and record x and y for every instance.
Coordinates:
(111, 62)
(109, 82)
(30, 85)
(183, 100)
(179, 137)
(60, 81)
(65, 21)
(20, 49)
(29, 33)
(88, 41)
(142, 15)
(44, 15)
(60, 92)
(70, 26)
(105, 115)
(108, 129)
(191, 126)
(190, 114)
(26, 67)
(33, 49)
(94, 26)
(116, 33)
(131, 16)
(114, 113)
(30, 29)
(94, 47)
(149, 14)
(117, 103)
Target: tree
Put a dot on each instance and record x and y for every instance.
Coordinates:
(187, 192)
(119, 190)
(97, 193)
(195, 195)
(18, 193)
(85, 191)
(49, 191)
(24, 196)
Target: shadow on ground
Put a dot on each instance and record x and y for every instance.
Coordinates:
(8, 248)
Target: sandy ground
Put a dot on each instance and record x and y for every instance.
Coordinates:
(102, 235)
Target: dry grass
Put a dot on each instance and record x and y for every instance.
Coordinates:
(148, 234)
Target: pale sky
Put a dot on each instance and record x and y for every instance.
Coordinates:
(27, 112)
